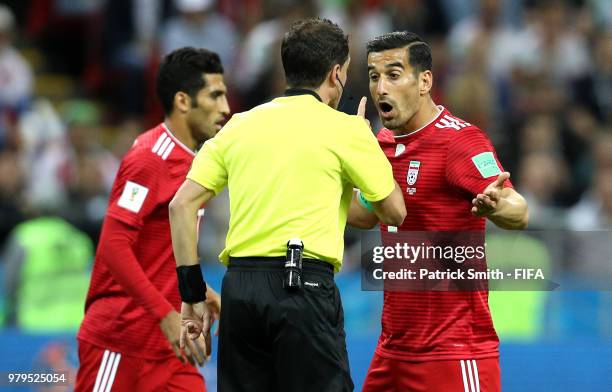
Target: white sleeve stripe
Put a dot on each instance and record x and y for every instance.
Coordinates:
(159, 141)
(168, 151)
(101, 370)
(163, 147)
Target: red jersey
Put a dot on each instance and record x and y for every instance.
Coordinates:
(440, 168)
(149, 176)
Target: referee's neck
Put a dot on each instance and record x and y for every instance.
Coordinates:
(291, 91)
(323, 93)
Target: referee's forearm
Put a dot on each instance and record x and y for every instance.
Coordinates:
(183, 226)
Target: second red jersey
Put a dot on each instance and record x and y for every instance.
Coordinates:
(440, 168)
(149, 176)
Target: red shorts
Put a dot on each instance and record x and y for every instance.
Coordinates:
(103, 370)
(469, 375)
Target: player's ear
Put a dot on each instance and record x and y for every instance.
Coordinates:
(182, 102)
(425, 82)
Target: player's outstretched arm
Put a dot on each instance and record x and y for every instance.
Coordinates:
(503, 206)
(196, 316)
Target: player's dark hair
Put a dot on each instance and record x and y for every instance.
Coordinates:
(419, 53)
(181, 70)
(310, 49)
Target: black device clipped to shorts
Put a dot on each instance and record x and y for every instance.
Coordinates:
(293, 265)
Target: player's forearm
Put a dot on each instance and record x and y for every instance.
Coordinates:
(512, 212)
(117, 239)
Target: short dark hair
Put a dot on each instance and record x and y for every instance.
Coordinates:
(419, 53)
(310, 49)
(181, 70)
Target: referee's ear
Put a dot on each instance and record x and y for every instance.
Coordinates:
(332, 77)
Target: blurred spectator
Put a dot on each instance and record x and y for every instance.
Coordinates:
(541, 177)
(502, 44)
(472, 97)
(361, 24)
(602, 76)
(44, 152)
(551, 46)
(67, 31)
(594, 210)
(129, 49)
(594, 91)
(82, 118)
(541, 133)
(199, 25)
(46, 274)
(15, 73)
(602, 12)
(591, 222)
(424, 17)
(90, 169)
(258, 72)
(11, 196)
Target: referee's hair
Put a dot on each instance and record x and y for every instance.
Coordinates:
(419, 53)
(182, 70)
(310, 49)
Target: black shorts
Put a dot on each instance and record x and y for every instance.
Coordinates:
(272, 339)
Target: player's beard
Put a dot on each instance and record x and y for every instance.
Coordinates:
(395, 123)
(200, 135)
(400, 122)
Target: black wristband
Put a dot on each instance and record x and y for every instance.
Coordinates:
(191, 283)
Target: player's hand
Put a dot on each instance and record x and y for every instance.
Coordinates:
(196, 320)
(487, 202)
(361, 109)
(171, 328)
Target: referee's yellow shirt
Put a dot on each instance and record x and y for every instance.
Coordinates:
(291, 165)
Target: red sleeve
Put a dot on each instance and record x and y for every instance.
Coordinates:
(135, 192)
(115, 251)
(471, 162)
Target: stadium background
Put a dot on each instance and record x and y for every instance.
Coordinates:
(76, 86)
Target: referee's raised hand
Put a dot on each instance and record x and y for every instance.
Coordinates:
(361, 109)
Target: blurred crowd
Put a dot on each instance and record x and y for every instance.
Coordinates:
(77, 85)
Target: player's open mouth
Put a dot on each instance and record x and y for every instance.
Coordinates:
(386, 110)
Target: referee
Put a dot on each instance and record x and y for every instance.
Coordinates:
(290, 165)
